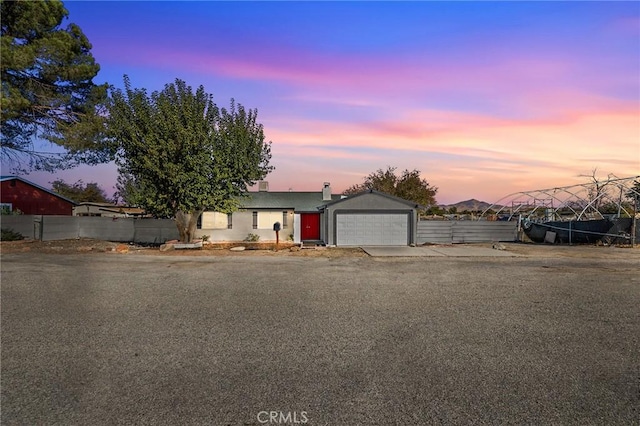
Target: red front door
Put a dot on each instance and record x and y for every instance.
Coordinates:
(310, 226)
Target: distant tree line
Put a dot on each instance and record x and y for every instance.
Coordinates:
(79, 191)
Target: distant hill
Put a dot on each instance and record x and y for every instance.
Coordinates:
(471, 205)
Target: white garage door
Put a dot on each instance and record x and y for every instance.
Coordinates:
(359, 229)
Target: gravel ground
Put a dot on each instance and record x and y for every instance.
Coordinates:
(220, 340)
(89, 246)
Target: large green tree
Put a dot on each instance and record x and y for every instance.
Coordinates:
(179, 154)
(408, 185)
(47, 88)
(79, 191)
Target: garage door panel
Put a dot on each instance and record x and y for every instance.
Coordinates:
(360, 229)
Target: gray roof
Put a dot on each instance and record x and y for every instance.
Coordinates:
(298, 201)
(382, 194)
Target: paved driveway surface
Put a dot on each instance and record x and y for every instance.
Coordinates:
(92, 339)
(436, 251)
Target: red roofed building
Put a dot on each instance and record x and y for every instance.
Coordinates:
(17, 193)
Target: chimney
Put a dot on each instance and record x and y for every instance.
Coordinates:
(326, 192)
(263, 186)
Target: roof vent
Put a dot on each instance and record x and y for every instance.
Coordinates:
(263, 186)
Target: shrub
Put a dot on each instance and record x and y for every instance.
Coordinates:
(10, 235)
(5, 210)
(252, 238)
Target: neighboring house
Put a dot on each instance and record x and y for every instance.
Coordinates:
(297, 212)
(370, 218)
(367, 218)
(18, 194)
(106, 210)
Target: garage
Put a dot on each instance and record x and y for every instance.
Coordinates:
(372, 229)
(370, 218)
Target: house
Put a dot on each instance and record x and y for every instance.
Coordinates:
(297, 212)
(106, 210)
(18, 194)
(367, 218)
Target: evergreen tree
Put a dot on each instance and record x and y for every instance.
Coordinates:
(47, 88)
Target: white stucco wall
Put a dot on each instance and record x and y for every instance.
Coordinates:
(242, 226)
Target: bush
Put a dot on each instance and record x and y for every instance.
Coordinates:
(10, 235)
(5, 210)
(252, 237)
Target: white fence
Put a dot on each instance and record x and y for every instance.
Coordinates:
(48, 228)
(465, 231)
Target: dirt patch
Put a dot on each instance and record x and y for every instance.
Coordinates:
(59, 246)
(249, 246)
(262, 249)
(89, 246)
(582, 251)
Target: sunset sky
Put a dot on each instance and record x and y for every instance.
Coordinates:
(484, 98)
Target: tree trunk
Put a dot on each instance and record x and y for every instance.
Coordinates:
(186, 223)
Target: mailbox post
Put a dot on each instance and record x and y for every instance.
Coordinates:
(276, 227)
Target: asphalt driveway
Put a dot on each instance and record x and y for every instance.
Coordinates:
(109, 339)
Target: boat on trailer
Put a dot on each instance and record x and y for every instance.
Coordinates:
(568, 232)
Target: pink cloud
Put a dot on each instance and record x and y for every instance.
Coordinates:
(377, 75)
(554, 122)
(467, 153)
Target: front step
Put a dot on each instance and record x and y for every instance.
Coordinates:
(315, 244)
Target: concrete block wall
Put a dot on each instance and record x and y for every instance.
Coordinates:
(19, 223)
(106, 228)
(59, 227)
(154, 231)
(49, 228)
